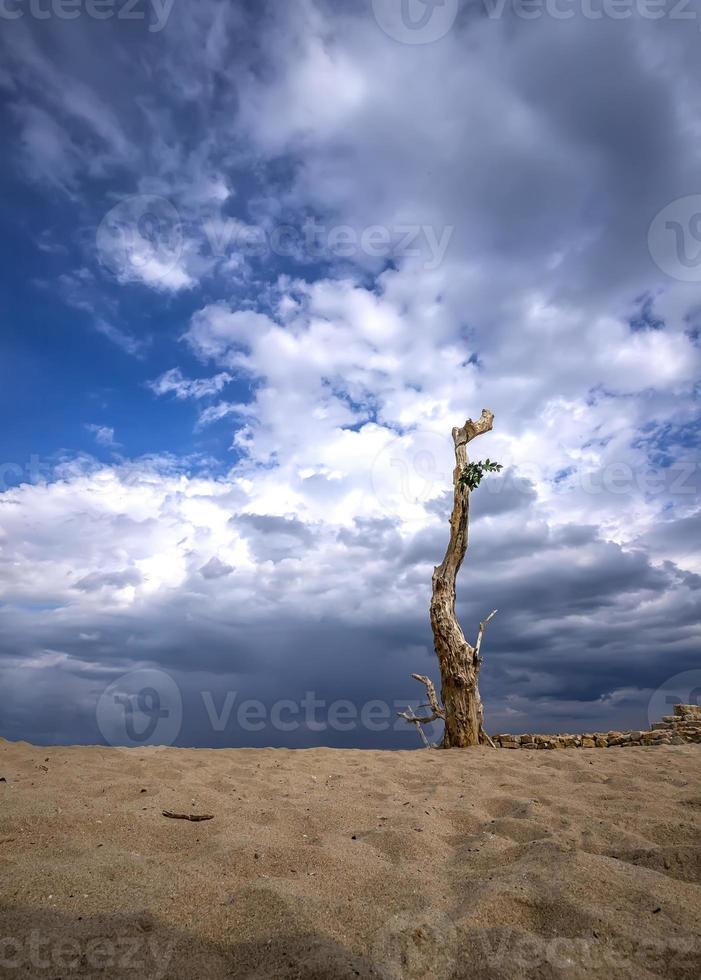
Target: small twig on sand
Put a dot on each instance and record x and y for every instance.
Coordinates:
(187, 816)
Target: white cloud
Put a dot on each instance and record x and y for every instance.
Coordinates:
(129, 344)
(219, 411)
(173, 382)
(104, 434)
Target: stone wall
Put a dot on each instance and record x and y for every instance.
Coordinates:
(677, 729)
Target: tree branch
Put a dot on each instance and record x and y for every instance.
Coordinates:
(483, 624)
(433, 703)
(470, 431)
(483, 736)
(409, 715)
(432, 696)
(487, 739)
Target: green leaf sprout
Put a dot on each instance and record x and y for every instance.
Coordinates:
(472, 474)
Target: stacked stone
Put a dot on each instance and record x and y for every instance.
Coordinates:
(678, 729)
(684, 723)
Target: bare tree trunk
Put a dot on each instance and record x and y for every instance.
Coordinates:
(459, 661)
(460, 706)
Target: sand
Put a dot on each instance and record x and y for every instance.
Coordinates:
(326, 863)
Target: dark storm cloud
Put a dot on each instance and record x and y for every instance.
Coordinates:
(500, 494)
(684, 532)
(586, 621)
(215, 568)
(274, 538)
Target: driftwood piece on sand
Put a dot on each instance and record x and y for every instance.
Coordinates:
(187, 816)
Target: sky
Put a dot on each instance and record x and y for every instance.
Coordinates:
(258, 260)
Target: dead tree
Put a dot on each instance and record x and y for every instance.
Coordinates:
(460, 706)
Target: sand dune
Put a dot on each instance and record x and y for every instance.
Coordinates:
(322, 863)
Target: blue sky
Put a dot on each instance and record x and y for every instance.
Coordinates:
(258, 260)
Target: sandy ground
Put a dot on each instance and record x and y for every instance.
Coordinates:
(322, 863)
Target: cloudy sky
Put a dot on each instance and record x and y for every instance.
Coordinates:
(259, 259)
